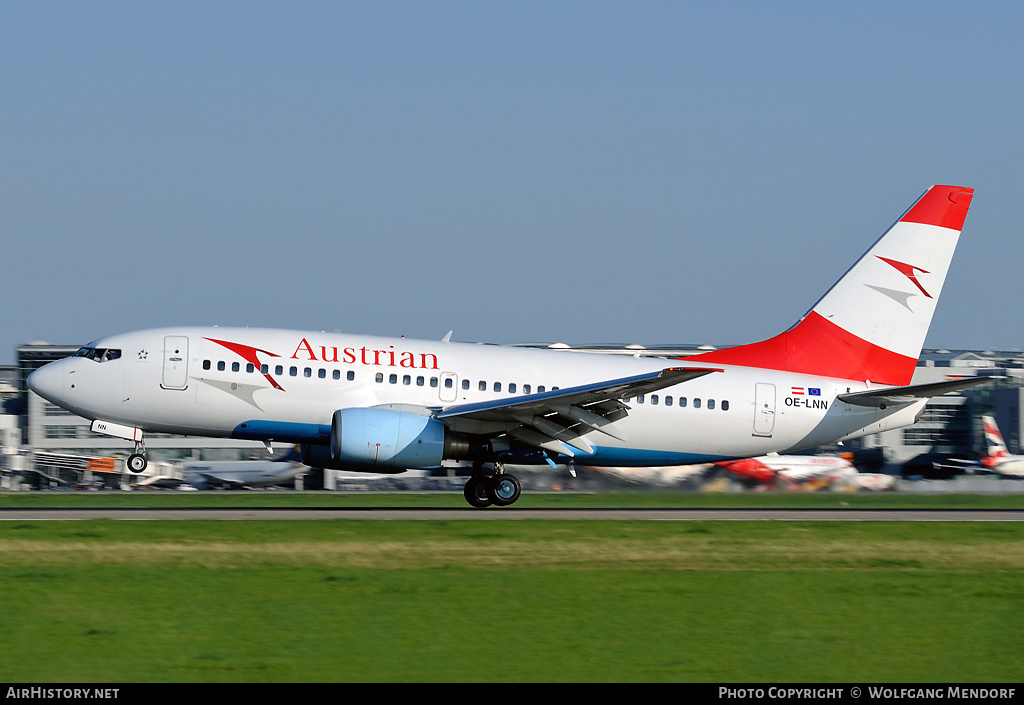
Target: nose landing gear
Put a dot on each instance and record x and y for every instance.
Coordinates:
(137, 462)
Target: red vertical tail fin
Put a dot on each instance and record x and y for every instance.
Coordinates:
(872, 323)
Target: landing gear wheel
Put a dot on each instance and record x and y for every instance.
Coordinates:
(504, 489)
(476, 492)
(136, 462)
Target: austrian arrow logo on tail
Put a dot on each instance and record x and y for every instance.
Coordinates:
(249, 355)
(907, 270)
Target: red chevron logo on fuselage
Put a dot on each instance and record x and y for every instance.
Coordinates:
(248, 354)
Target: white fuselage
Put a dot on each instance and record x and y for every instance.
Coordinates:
(252, 473)
(282, 385)
(802, 467)
(1011, 466)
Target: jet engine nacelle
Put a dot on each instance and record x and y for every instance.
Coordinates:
(382, 439)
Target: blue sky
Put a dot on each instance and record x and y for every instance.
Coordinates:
(586, 172)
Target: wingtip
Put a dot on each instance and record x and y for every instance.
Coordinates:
(686, 370)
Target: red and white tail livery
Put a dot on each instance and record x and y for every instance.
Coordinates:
(392, 404)
(872, 324)
(998, 459)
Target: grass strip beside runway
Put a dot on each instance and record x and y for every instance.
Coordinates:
(116, 601)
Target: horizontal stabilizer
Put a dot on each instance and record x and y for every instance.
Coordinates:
(906, 395)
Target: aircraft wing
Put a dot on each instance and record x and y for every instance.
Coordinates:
(157, 480)
(892, 396)
(214, 479)
(555, 420)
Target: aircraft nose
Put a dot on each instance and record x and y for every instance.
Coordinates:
(47, 382)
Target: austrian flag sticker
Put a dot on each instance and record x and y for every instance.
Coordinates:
(809, 391)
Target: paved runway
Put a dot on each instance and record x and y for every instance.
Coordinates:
(512, 514)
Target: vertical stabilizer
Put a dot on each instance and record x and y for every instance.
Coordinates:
(994, 443)
(872, 323)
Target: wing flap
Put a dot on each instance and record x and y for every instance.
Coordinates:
(532, 437)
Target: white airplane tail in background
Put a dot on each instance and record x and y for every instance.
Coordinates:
(872, 323)
(996, 446)
(998, 458)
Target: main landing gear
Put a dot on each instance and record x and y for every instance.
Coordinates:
(500, 489)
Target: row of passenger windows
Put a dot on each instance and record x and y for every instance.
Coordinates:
(278, 370)
(407, 380)
(350, 375)
(682, 401)
(449, 383)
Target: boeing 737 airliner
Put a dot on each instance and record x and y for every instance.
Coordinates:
(388, 405)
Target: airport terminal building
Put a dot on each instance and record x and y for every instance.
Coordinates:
(52, 445)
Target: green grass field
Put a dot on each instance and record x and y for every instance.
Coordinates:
(244, 601)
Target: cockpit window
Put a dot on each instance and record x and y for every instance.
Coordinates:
(99, 354)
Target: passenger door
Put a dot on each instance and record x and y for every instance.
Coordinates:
(175, 374)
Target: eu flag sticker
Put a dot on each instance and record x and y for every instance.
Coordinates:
(814, 391)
